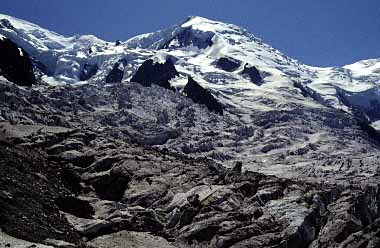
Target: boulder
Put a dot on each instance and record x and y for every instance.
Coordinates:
(77, 158)
(156, 73)
(103, 164)
(202, 96)
(15, 63)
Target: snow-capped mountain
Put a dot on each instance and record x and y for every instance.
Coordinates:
(276, 110)
(195, 46)
(166, 134)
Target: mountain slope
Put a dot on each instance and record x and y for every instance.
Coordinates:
(134, 121)
(279, 126)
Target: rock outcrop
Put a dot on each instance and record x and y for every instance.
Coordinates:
(227, 64)
(15, 63)
(156, 73)
(89, 71)
(202, 96)
(117, 72)
(253, 73)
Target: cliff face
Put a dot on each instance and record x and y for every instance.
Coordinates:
(156, 73)
(200, 95)
(15, 63)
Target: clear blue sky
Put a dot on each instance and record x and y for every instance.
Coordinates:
(316, 32)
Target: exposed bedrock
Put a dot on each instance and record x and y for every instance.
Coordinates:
(15, 63)
(89, 71)
(117, 72)
(156, 73)
(253, 73)
(200, 95)
(228, 64)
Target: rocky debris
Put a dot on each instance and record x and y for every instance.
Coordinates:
(228, 64)
(117, 72)
(351, 220)
(130, 239)
(188, 37)
(124, 184)
(29, 187)
(89, 71)
(15, 63)
(132, 190)
(76, 158)
(66, 145)
(202, 96)
(9, 241)
(156, 73)
(103, 164)
(253, 73)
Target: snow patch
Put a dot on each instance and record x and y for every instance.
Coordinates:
(21, 53)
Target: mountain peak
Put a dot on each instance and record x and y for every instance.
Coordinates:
(208, 25)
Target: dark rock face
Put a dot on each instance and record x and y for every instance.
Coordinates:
(253, 74)
(227, 64)
(113, 185)
(15, 64)
(88, 71)
(40, 69)
(156, 73)
(189, 37)
(4, 23)
(200, 95)
(369, 107)
(117, 73)
(75, 206)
